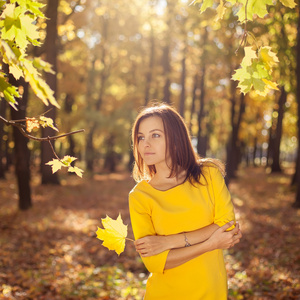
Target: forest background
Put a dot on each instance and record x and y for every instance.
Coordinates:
(110, 59)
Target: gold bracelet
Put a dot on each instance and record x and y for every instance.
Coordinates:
(187, 244)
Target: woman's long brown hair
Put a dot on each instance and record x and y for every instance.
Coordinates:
(178, 143)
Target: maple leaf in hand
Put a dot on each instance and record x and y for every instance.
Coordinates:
(114, 234)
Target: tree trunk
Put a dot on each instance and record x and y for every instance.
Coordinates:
(150, 68)
(2, 142)
(89, 151)
(110, 157)
(167, 69)
(201, 140)
(297, 201)
(278, 134)
(201, 134)
(183, 75)
(69, 101)
(166, 52)
(21, 151)
(234, 147)
(51, 57)
(194, 96)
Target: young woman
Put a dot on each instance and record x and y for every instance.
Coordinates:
(181, 211)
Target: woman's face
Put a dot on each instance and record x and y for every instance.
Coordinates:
(152, 141)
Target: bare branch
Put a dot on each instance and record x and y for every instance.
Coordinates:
(53, 150)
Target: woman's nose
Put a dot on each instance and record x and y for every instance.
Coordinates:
(146, 143)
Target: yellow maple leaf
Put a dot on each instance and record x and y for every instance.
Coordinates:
(114, 234)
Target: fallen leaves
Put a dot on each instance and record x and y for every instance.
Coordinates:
(51, 250)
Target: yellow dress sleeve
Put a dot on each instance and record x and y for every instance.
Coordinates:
(224, 210)
(140, 215)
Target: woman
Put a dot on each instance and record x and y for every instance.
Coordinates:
(180, 211)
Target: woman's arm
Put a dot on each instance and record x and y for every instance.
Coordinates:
(155, 244)
(220, 239)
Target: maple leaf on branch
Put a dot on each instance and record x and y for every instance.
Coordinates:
(114, 234)
(256, 70)
(57, 164)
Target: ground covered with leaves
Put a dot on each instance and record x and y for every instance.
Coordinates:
(51, 250)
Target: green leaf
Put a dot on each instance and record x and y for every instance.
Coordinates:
(28, 28)
(254, 7)
(8, 91)
(42, 65)
(12, 29)
(206, 4)
(288, 3)
(47, 122)
(250, 54)
(32, 6)
(256, 70)
(268, 57)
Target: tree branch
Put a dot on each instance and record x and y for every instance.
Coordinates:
(42, 139)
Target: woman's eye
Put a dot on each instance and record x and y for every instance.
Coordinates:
(140, 138)
(156, 135)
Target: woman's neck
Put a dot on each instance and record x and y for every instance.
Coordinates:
(162, 177)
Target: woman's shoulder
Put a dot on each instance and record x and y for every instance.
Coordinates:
(141, 187)
(212, 167)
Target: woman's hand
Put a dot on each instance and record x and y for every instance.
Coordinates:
(222, 239)
(151, 245)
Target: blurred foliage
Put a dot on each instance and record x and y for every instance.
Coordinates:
(110, 61)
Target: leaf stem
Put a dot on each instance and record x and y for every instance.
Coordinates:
(129, 239)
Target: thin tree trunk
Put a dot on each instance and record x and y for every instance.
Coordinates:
(110, 157)
(2, 142)
(166, 53)
(21, 151)
(297, 201)
(183, 75)
(201, 145)
(276, 150)
(234, 147)
(150, 68)
(69, 101)
(51, 57)
(194, 96)
(167, 69)
(201, 134)
(90, 149)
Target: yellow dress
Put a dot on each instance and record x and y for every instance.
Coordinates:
(183, 208)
